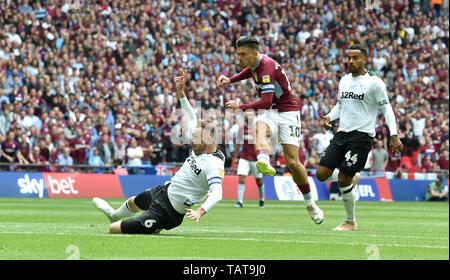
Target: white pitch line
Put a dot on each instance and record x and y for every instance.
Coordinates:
(240, 239)
(31, 226)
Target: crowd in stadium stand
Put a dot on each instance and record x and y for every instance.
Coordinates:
(93, 84)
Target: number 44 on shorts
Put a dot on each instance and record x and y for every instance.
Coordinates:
(351, 159)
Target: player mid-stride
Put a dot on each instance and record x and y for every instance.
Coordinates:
(165, 206)
(359, 97)
(281, 117)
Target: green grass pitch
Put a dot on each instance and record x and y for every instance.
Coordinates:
(61, 229)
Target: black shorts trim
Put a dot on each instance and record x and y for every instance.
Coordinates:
(347, 151)
(159, 213)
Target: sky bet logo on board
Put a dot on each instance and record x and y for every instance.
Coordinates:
(31, 186)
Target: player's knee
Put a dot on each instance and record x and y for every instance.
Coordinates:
(242, 179)
(133, 205)
(114, 228)
(322, 174)
(293, 163)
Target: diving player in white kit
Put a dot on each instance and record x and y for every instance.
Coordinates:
(165, 206)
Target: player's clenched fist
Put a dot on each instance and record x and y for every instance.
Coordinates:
(222, 80)
(232, 105)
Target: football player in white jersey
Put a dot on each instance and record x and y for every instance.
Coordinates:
(165, 206)
(359, 98)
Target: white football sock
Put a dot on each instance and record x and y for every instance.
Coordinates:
(349, 203)
(241, 189)
(124, 211)
(263, 157)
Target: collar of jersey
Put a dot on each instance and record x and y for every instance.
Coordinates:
(257, 64)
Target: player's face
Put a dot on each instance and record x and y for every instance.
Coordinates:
(356, 61)
(198, 145)
(247, 56)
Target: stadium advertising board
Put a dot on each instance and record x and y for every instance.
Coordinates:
(82, 185)
(42, 185)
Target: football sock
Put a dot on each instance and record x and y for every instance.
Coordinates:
(241, 189)
(306, 191)
(124, 211)
(348, 197)
(333, 177)
(261, 192)
(263, 154)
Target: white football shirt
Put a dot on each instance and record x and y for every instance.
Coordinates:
(192, 182)
(358, 101)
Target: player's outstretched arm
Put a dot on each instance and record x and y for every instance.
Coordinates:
(188, 111)
(213, 198)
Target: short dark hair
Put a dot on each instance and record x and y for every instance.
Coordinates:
(360, 48)
(247, 41)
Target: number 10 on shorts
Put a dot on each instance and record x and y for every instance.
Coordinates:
(295, 131)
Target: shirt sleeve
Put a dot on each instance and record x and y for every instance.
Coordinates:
(243, 75)
(382, 100)
(380, 92)
(189, 115)
(214, 175)
(267, 93)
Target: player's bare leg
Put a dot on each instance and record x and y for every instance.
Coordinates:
(300, 177)
(262, 148)
(115, 228)
(325, 174)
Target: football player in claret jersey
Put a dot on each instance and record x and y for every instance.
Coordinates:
(247, 159)
(360, 94)
(281, 116)
(165, 206)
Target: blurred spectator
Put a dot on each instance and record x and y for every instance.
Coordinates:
(380, 158)
(146, 147)
(135, 155)
(8, 150)
(23, 153)
(443, 159)
(436, 191)
(96, 160)
(37, 158)
(64, 158)
(106, 149)
(156, 153)
(79, 147)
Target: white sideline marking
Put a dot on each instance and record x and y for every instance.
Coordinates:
(234, 239)
(207, 230)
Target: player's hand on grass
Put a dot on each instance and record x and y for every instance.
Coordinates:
(231, 105)
(222, 80)
(195, 214)
(396, 145)
(326, 122)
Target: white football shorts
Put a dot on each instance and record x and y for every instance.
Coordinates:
(285, 125)
(246, 167)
